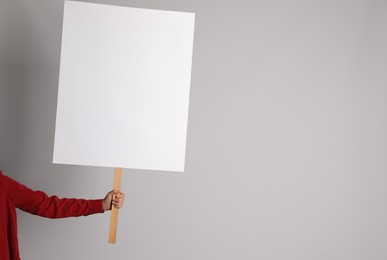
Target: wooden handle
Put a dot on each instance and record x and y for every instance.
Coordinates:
(114, 213)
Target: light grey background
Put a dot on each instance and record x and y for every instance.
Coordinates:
(287, 137)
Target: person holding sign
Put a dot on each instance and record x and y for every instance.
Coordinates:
(15, 195)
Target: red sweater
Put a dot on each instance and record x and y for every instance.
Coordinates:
(15, 195)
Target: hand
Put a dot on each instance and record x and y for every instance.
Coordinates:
(113, 198)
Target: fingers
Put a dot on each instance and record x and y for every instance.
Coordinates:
(118, 198)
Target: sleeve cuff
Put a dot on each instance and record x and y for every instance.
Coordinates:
(96, 206)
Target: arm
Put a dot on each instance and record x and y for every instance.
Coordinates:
(38, 203)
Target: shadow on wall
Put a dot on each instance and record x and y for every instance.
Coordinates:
(29, 65)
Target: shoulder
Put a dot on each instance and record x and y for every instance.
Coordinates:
(3, 177)
(7, 183)
(2, 184)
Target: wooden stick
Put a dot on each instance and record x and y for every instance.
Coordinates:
(114, 214)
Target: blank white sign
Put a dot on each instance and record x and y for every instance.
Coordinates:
(123, 87)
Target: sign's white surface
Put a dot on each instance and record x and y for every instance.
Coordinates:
(123, 87)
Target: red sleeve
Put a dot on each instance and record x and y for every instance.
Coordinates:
(38, 203)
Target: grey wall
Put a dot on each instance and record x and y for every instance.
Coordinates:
(287, 137)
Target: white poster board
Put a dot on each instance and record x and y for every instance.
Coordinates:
(123, 87)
